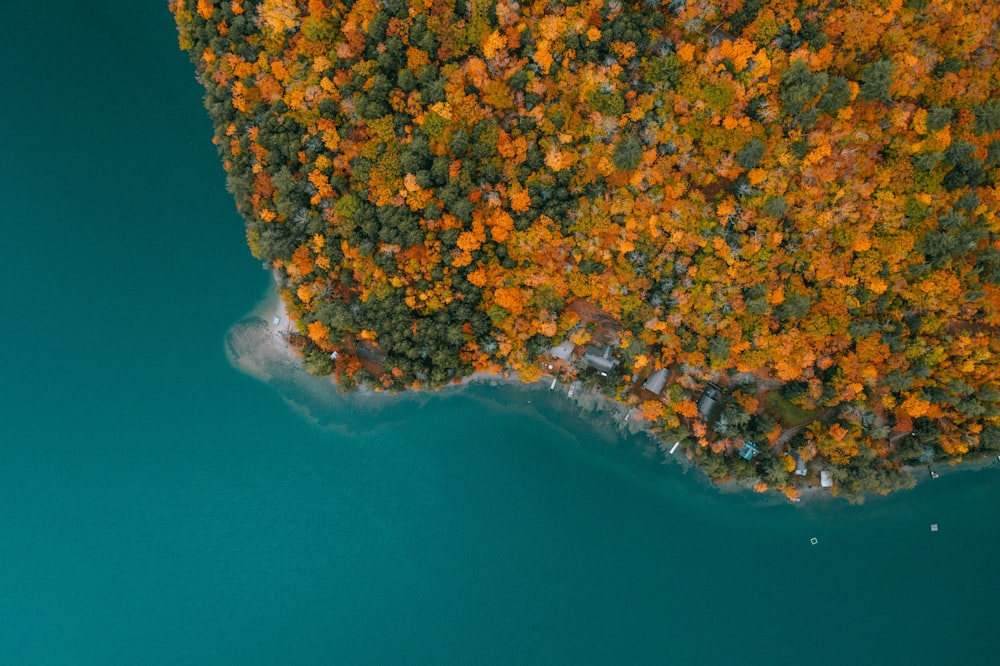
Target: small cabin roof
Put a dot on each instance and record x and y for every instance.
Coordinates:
(825, 480)
(563, 350)
(748, 450)
(369, 353)
(656, 381)
(800, 464)
(708, 403)
(600, 359)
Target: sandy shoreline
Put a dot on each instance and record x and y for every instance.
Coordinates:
(274, 312)
(258, 344)
(271, 315)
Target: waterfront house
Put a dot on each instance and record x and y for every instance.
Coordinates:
(656, 381)
(369, 353)
(748, 450)
(563, 351)
(600, 360)
(710, 402)
(825, 480)
(800, 464)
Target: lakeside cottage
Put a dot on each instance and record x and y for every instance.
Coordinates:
(800, 464)
(369, 353)
(710, 402)
(600, 360)
(748, 450)
(563, 351)
(656, 381)
(825, 480)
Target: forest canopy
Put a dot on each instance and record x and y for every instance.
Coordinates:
(795, 200)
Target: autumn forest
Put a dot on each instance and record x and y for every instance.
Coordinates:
(791, 202)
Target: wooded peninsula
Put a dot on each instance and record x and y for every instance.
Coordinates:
(771, 226)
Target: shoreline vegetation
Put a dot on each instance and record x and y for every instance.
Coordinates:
(259, 346)
(766, 230)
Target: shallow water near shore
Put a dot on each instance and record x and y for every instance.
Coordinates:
(158, 506)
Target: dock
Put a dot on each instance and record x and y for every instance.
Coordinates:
(674, 447)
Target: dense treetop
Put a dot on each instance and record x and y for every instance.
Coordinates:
(797, 200)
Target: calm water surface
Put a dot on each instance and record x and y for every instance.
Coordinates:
(159, 507)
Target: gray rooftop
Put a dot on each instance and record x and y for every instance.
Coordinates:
(709, 402)
(600, 359)
(656, 381)
(800, 465)
(563, 351)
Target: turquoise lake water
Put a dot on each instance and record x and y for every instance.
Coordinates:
(159, 507)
